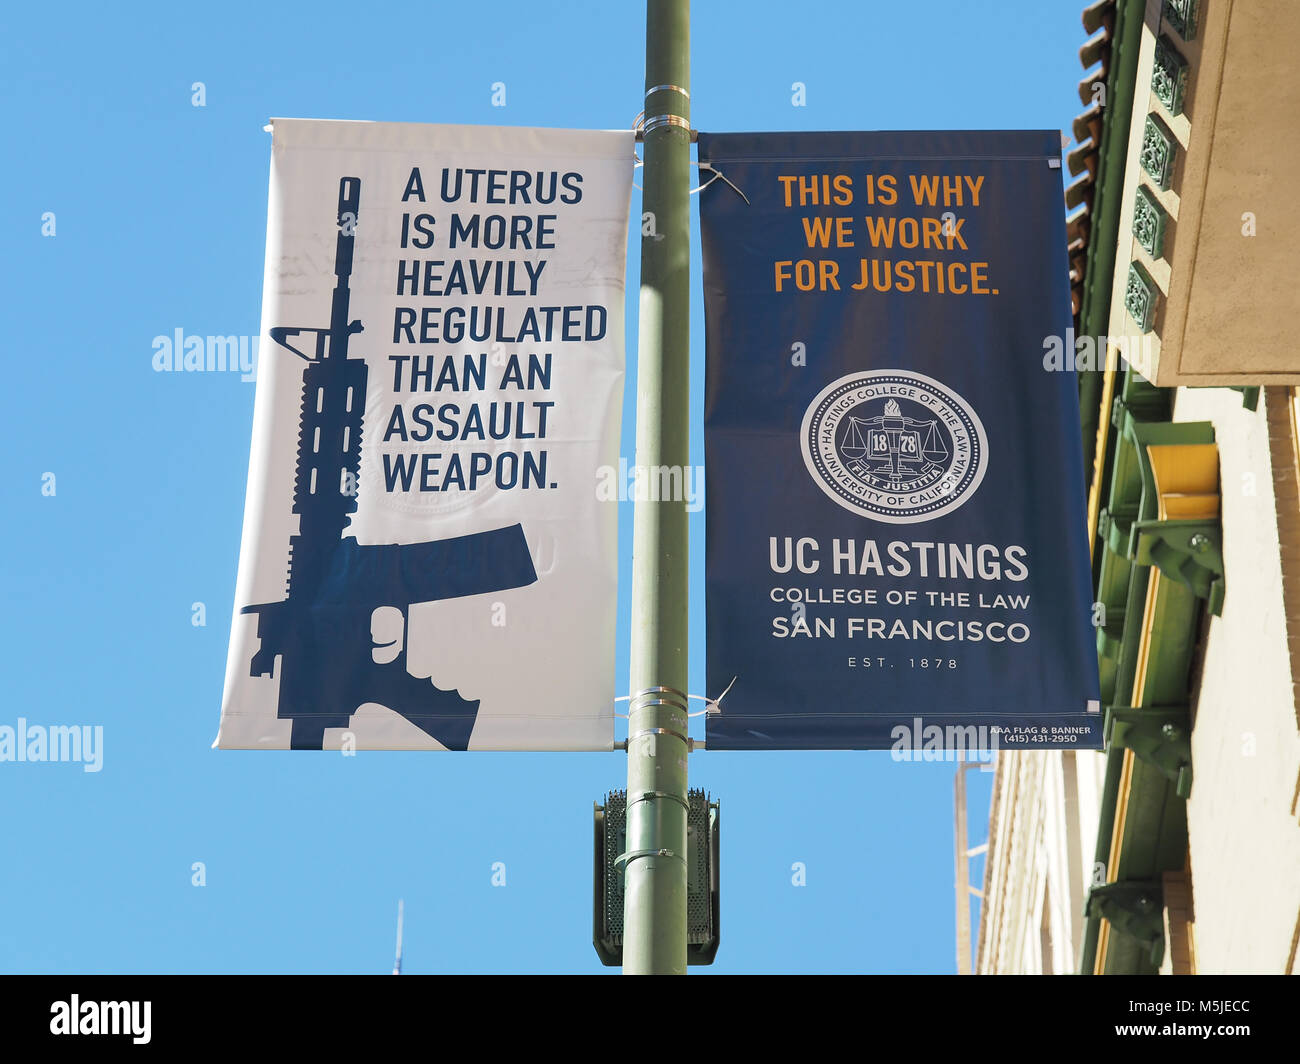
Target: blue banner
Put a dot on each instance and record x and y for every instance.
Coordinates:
(897, 546)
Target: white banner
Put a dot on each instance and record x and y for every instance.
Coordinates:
(426, 563)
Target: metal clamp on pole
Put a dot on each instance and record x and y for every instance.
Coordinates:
(650, 796)
(659, 121)
(660, 731)
(651, 122)
(623, 859)
(659, 696)
(667, 88)
(656, 700)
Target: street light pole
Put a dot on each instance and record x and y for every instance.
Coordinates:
(654, 913)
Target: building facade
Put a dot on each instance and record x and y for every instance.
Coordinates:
(1177, 849)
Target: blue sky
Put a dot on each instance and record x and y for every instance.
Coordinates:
(160, 212)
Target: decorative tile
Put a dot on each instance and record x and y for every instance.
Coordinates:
(1149, 220)
(1181, 15)
(1158, 148)
(1169, 78)
(1140, 297)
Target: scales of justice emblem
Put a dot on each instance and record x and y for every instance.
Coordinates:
(894, 445)
(893, 449)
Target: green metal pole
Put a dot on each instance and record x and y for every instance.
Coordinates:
(654, 905)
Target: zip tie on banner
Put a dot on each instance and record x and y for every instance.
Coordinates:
(714, 704)
(717, 175)
(656, 696)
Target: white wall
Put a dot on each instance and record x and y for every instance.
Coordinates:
(1245, 843)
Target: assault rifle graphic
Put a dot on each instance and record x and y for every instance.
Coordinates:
(317, 639)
